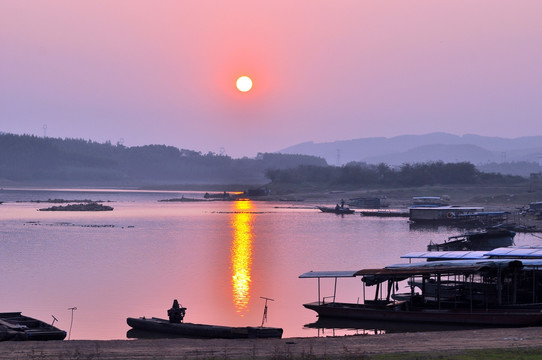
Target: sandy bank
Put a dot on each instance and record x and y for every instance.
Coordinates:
(273, 348)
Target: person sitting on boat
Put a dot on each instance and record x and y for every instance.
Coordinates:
(176, 313)
(342, 203)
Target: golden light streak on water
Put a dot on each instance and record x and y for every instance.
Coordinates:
(241, 253)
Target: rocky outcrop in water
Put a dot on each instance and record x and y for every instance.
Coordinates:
(92, 206)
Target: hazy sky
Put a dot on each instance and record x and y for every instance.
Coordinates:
(163, 72)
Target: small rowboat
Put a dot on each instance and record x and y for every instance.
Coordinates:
(336, 210)
(15, 326)
(154, 325)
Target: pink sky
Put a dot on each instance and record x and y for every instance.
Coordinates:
(163, 72)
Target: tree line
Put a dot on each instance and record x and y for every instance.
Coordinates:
(407, 175)
(32, 159)
(39, 160)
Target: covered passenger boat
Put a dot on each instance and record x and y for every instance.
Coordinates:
(480, 291)
(15, 326)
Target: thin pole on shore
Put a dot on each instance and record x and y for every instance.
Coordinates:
(264, 318)
(71, 322)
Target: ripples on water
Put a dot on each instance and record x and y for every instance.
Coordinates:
(219, 259)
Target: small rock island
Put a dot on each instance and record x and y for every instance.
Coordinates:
(90, 206)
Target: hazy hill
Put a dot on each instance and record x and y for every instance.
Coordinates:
(449, 153)
(34, 160)
(421, 148)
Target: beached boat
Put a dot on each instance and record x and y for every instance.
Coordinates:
(15, 326)
(429, 201)
(490, 292)
(482, 240)
(367, 202)
(336, 210)
(202, 330)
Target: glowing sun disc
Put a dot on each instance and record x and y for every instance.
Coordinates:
(244, 84)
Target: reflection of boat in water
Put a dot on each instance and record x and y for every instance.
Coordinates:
(384, 327)
(483, 240)
(15, 326)
(336, 210)
(492, 292)
(155, 325)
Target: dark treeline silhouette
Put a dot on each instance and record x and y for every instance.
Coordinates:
(361, 174)
(27, 159)
(31, 159)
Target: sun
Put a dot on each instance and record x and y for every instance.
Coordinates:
(244, 83)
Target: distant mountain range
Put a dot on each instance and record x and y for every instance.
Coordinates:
(478, 150)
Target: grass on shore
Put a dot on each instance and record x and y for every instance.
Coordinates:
(475, 354)
(494, 354)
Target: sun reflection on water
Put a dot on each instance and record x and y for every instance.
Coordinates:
(241, 253)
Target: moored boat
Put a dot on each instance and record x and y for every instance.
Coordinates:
(384, 213)
(175, 326)
(336, 210)
(482, 240)
(202, 330)
(15, 326)
(489, 292)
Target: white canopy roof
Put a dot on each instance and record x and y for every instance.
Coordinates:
(329, 274)
(446, 255)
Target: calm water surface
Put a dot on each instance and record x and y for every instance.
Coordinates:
(217, 258)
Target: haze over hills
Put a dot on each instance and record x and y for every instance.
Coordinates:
(29, 160)
(476, 149)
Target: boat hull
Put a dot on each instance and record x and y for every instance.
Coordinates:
(339, 211)
(15, 326)
(202, 330)
(482, 241)
(492, 317)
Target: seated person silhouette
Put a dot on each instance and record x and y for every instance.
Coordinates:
(176, 313)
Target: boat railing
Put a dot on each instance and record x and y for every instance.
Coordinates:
(328, 297)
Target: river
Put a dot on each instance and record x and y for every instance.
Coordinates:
(92, 270)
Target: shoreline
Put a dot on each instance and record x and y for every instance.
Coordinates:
(356, 346)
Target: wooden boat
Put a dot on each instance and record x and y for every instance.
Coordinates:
(385, 213)
(15, 326)
(336, 210)
(491, 292)
(483, 240)
(202, 330)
